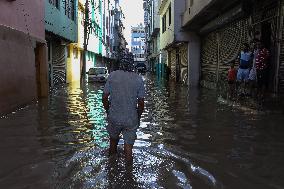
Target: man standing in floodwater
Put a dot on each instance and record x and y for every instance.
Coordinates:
(123, 100)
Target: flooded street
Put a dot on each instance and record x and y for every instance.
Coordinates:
(186, 139)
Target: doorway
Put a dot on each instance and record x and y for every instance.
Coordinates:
(37, 69)
(266, 38)
(266, 34)
(178, 62)
(41, 70)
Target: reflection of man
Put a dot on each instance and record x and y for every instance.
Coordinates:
(123, 100)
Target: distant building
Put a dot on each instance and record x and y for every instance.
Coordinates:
(138, 43)
(152, 29)
(105, 40)
(99, 38)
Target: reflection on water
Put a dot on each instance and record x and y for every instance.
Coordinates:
(186, 139)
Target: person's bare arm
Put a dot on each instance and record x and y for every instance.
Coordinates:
(106, 102)
(140, 108)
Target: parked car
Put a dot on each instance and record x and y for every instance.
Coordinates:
(98, 74)
(141, 68)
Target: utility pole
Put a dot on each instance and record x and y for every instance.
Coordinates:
(86, 27)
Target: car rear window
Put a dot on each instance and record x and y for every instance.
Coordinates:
(97, 71)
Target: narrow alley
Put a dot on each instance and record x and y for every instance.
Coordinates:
(186, 139)
(141, 94)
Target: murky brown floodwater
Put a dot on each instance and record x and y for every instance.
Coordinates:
(187, 139)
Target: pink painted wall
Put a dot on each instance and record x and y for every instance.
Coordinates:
(24, 15)
(17, 70)
(21, 27)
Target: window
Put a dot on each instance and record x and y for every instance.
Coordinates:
(68, 51)
(75, 53)
(164, 23)
(89, 55)
(82, 17)
(49, 51)
(107, 26)
(170, 14)
(54, 3)
(69, 6)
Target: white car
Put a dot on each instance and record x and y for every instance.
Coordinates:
(98, 74)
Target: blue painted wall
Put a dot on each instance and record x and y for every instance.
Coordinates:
(58, 23)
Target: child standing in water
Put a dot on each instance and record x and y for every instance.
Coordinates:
(232, 74)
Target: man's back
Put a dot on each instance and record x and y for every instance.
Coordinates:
(124, 88)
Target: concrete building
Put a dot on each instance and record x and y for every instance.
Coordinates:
(138, 43)
(109, 34)
(61, 30)
(152, 28)
(225, 25)
(173, 41)
(99, 49)
(23, 61)
(118, 40)
(105, 38)
(75, 50)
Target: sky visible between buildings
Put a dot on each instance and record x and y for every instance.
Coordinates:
(134, 14)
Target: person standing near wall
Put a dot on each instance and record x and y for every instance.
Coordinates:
(244, 67)
(261, 65)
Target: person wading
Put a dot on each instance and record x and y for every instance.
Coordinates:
(123, 100)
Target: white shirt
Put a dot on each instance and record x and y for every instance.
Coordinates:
(125, 88)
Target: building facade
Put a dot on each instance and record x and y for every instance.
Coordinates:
(138, 43)
(173, 41)
(23, 60)
(118, 42)
(96, 39)
(61, 30)
(105, 39)
(223, 35)
(152, 28)
(198, 39)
